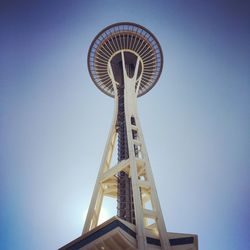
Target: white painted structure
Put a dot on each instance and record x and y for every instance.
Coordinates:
(119, 239)
(138, 168)
(126, 44)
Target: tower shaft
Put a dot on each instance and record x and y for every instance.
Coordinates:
(135, 189)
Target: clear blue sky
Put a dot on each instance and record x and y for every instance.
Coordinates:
(54, 122)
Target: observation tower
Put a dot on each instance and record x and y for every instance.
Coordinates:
(125, 61)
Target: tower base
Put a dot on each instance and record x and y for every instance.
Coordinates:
(117, 234)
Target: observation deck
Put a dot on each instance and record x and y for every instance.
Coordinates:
(136, 42)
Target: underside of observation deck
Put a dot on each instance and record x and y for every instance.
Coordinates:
(125, 36)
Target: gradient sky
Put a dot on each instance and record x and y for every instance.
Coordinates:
(54, 122)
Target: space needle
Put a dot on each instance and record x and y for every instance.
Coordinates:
(125, 61)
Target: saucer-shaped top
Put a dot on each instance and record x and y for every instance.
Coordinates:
(127, 37)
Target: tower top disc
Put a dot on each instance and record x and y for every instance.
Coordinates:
(125, 36)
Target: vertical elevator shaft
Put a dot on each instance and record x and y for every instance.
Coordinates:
(125, 204)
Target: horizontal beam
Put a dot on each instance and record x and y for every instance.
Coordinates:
(149, 213)
(144, 184)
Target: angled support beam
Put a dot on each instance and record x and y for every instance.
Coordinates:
(114, 170)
